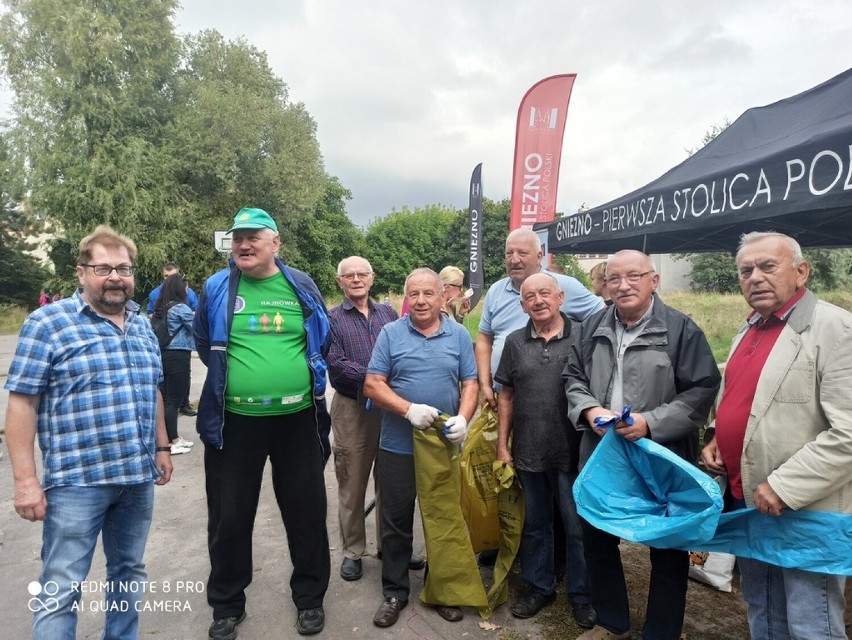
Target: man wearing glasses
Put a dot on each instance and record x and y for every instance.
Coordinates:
(85, 378)
(355, 325)
(638, 352)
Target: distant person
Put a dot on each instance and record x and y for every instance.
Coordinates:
(783, 428)
(502, 312)
(456, 305)
(355, 325)
(56, 297)
(176, 356)
(545, 448)
(262, 401)
(43, 299)
(597, 275)
(171, 269)
(419, 363)
(84, 378)
(642, 353)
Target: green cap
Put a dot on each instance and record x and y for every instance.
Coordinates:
(253, 219)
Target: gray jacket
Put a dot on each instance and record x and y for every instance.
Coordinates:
(670, 375)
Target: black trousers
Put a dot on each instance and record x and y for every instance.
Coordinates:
(399, 492)
(234, 476)
(175, 387)
(607, 586)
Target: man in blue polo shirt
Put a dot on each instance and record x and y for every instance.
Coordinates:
(84, 378)
(422, 365)
(502, 313)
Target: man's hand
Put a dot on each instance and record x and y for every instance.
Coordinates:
(488, 397)
(456, 429)
(712, 459)
(421, 415)
(594, 412)
(767, 501)
(639, 428)
(30, 501)
(504, 456)
(164, 464)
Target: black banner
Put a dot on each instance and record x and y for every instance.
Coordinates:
(476, 278)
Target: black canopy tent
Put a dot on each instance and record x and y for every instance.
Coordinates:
(784, 167)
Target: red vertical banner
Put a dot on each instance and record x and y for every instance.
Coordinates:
(538, 149)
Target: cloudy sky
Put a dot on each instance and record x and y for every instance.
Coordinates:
(409, 97)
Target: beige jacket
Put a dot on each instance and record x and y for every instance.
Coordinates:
(799, 432)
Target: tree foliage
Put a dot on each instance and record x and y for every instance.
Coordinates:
(405, 240)
(120, 122)
(22, 275)
(327, 237)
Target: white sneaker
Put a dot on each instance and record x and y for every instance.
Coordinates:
(184, 443)
(178, 449)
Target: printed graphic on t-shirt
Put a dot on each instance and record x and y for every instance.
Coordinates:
(267, 370)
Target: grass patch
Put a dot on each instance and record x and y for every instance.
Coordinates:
(11, 318)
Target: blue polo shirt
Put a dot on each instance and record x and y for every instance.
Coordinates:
(422, 370)
(502, 313)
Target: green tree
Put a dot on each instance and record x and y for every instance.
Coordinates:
(495, 228)
(830, 269)
(407, 239)
(712, 272)
(327, 237)
(22, 275)
(91, 98)
(236, 141)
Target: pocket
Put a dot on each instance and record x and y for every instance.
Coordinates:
(797, 386)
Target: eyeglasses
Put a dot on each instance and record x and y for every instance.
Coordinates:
(104, 270)
(450, 284)
(632, 278)
(361, 275)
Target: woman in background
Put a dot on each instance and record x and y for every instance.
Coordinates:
(598, 277)
(176, 355)
(455, 304)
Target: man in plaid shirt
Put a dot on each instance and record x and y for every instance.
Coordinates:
(84, 378)
(355, 325)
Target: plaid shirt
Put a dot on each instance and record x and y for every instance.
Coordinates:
(352, 340)
(97, 411)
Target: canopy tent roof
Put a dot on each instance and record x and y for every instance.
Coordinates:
(784, 167)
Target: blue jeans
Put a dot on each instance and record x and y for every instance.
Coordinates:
(537, 538)
(792, 604)
(75, 516)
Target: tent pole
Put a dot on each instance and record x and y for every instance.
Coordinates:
(645, 243)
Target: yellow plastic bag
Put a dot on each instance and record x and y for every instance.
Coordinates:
(453, 578)
(479, 484)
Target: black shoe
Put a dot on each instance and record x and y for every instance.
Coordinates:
(584, 615)
(225, 628)
(310, 621)
(187, 411)
(531, 603)
(488, 558)
(415, 562)
(351, 569)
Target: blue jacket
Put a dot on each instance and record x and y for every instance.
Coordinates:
(212, 327)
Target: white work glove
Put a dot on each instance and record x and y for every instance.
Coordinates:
(455, 429)
(421, 415)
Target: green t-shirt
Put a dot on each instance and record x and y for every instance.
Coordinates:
(267, 371)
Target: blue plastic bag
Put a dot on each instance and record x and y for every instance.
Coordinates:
(642, 492)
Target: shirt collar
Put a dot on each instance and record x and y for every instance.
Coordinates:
(642, 321)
